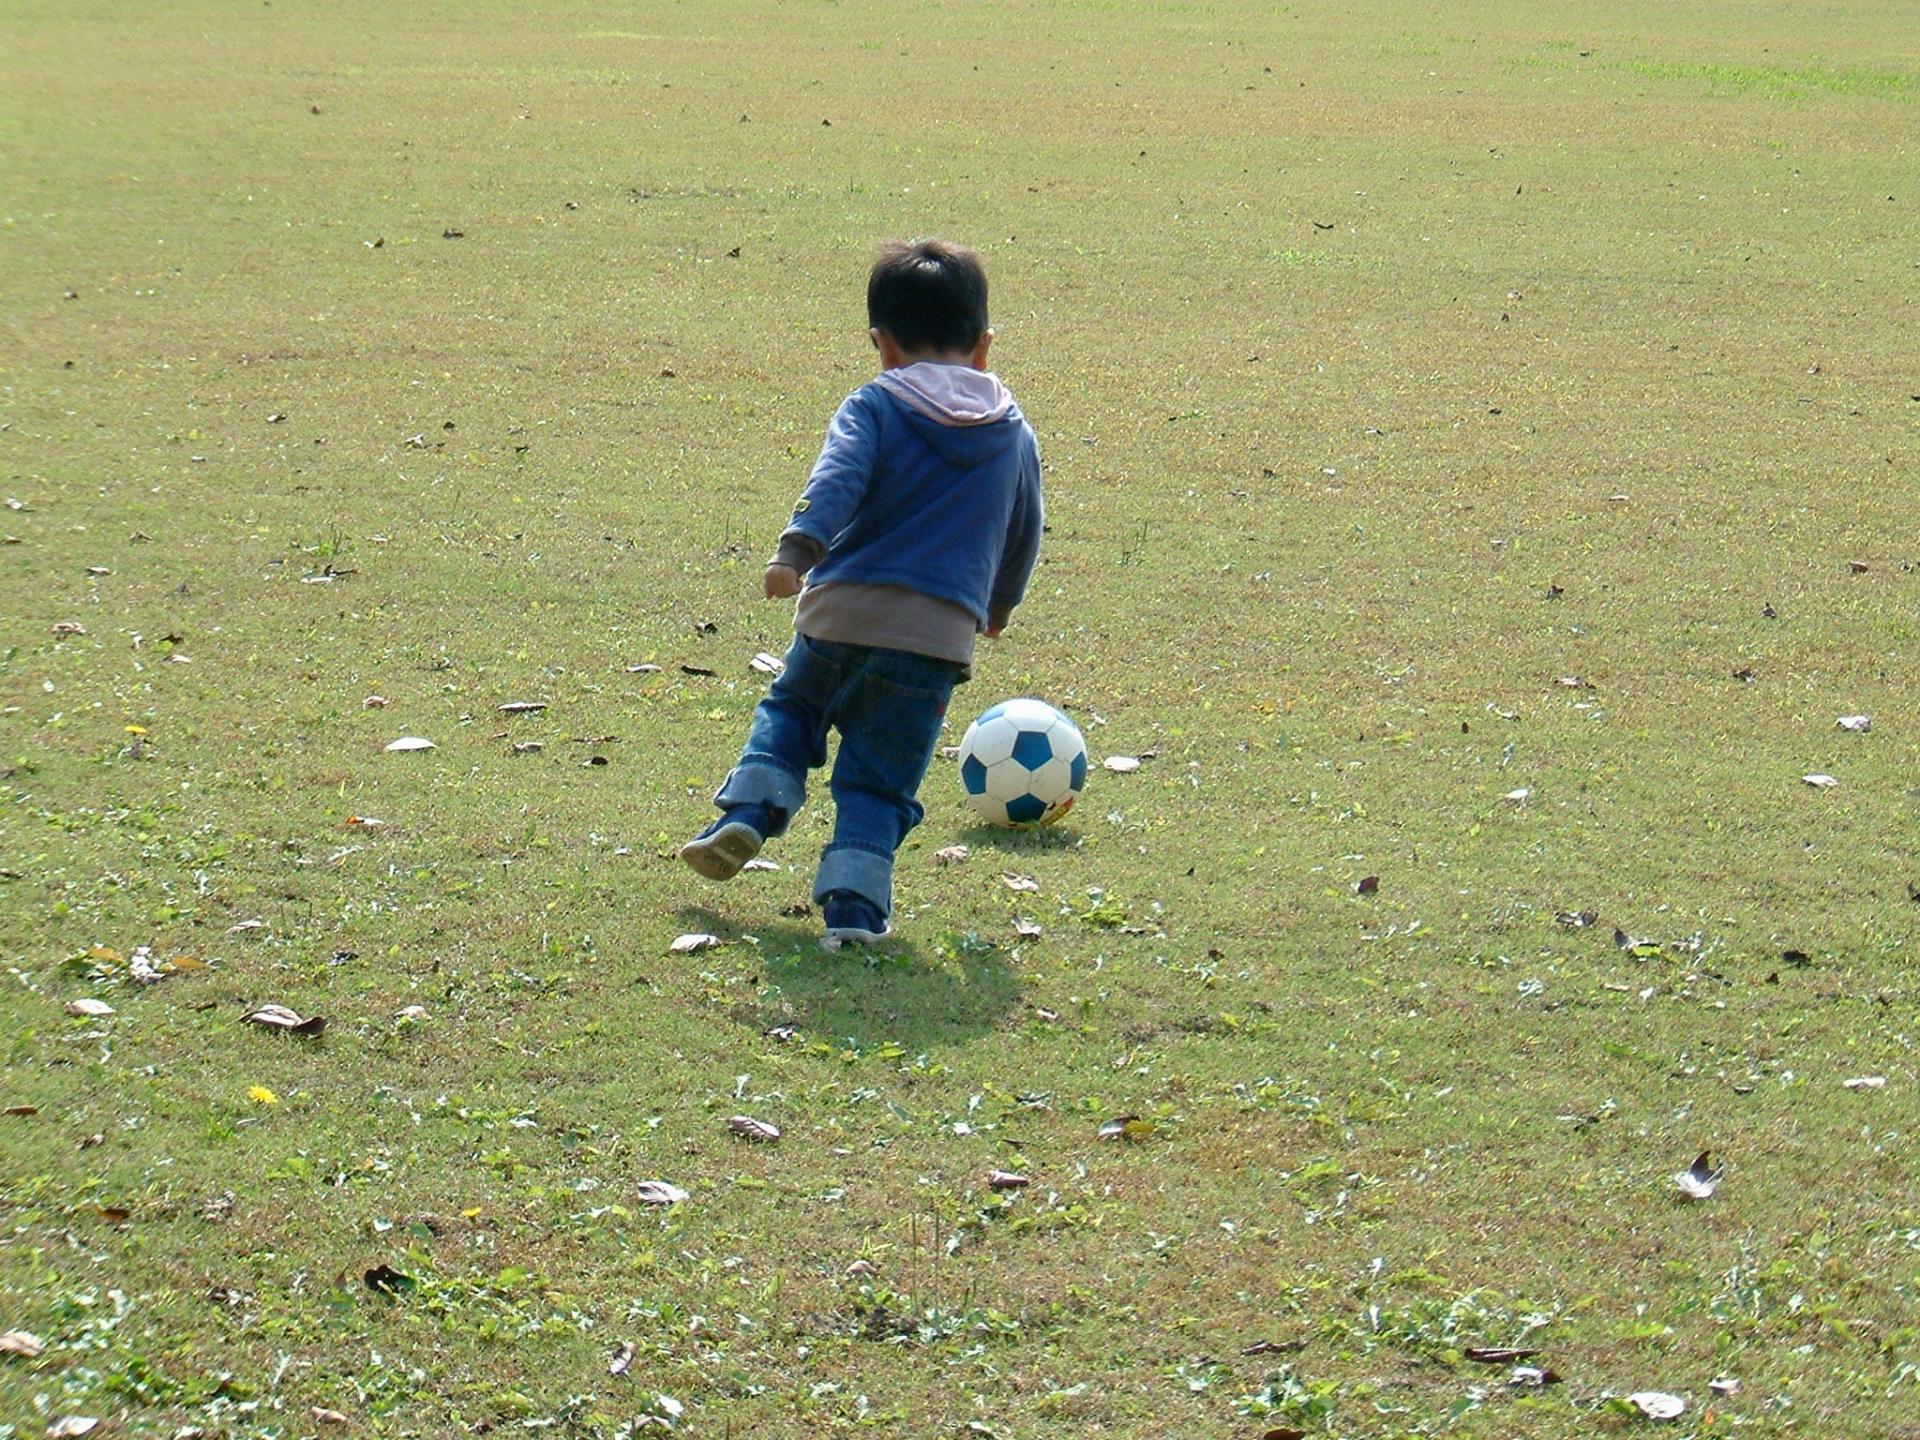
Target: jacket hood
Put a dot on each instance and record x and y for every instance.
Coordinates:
(959, 411)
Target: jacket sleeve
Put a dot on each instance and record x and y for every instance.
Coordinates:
(1023, 539)
(839, 482)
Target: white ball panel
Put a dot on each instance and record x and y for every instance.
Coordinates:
(1052, 781)
(991, 742)
(1009, 780)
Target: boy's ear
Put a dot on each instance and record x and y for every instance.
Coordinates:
(979, 358)
(891, 355)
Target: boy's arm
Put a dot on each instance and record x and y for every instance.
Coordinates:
(1022, 547)
(833, 494)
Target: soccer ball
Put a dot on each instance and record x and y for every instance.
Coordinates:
(1022, 764)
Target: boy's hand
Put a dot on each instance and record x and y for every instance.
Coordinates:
(782, 582)
(996, 624)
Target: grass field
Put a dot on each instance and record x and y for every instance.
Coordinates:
(1440, 403)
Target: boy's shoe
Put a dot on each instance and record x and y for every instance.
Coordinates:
(719, 851)
(853, 920)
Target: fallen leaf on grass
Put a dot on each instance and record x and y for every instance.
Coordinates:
(700, 670)
(1026, 929)
(1698, 1181)
(1367, 885)
(643, 669)
(411, 1014)
(1819, 782)
(1019, 884)
(70, 1427)
(1122, 764)
(622, 1359)
(1575, 919)
(410, 742)
(1006, 1180)
(780, 1034)
(767, 664)
(22, 1342)
(1725, 1385)
(279, 1017)
(1283, 1432)
(1126, 1127)
(861, 1270)
(365, 822)
(1532, 1377)
(21, 1111)
(659, 1192)
(1657, 1404)
(1745, 675)
(385, 1280)
(694, 943)
(1518, 797)
(1865, 1082)
(217, 1207)
(748, 1128)
(760, 865)
(523, 707)
(1274, 1347)
(1498, 1354)
(94, 1009)
(241, 927)
(328, 1417)
(952, 855)
(113, 1213)
(374, 702)
(1859, 724)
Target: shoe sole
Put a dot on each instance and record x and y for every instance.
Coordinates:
(853, 935)
(720, 855)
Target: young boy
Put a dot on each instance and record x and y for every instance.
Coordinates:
(917, 531)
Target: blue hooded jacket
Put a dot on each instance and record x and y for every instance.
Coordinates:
(929, 479)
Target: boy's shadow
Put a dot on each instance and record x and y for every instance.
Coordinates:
(889, 992)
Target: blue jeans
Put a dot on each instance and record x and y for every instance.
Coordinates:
(887, 706)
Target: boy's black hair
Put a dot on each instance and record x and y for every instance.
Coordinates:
(928, 295)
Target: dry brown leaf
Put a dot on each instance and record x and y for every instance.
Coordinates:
(1019, 884)
(660, 1192)
(1699, 1180)
(1657, 1404)
(1122, 764)
(71, 1427)
(22, 1342)
(693, 944)
(622, 1359)
(952, 855)
(523, 707)
(1026, 929)
(94, 1009)
(748, 1128)
(279, 1017)
(1006, 1180)
(328, 1417)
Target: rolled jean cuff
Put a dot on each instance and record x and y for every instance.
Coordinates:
(760, 782)
(867, 873)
